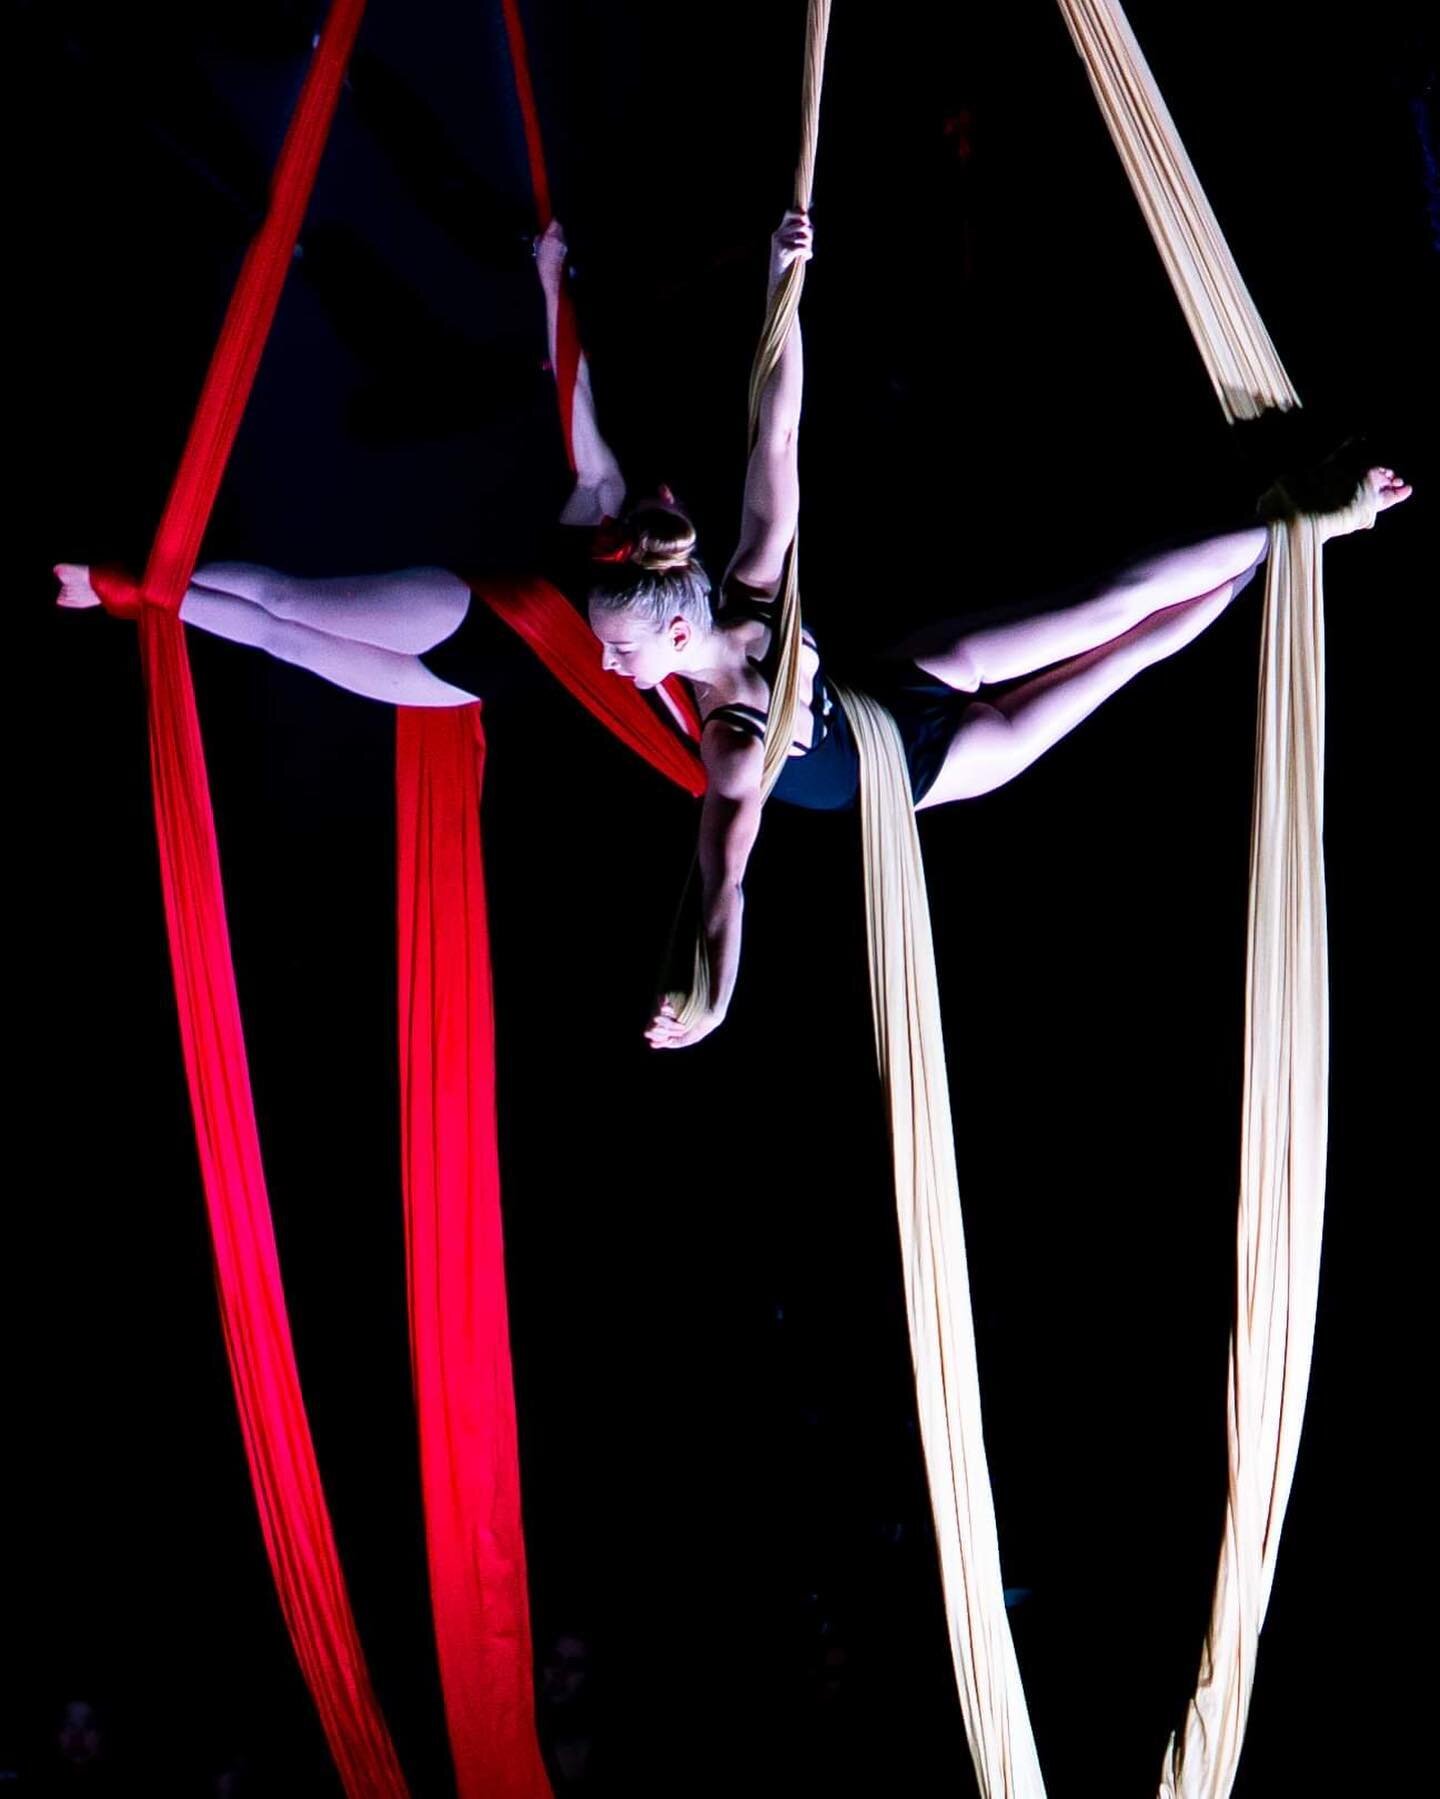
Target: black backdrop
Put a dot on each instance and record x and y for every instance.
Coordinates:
(720, 1464)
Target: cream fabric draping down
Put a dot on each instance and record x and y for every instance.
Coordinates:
(1284, 1119)
(1239, 357)
(1286, 1049)
(911, 1049)
(910, 1046)
(780, 317)
(1282, 1160)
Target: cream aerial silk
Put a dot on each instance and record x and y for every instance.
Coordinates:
(1283, 1126)
(910, 1046)
(1286, 1050)
(1239, 357)
(783, 310)
(911, 1051)
(1282, 1161)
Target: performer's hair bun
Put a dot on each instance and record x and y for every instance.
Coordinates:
(647, 564)
(664, 539)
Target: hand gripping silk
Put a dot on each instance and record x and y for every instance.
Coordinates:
(780, 317)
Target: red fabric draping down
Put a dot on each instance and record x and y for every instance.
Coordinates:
(459, 1328)
(562, 640)
(294, 1518)
(459, 1322)
(293, 1514)
(459, 1325)
(567, 332)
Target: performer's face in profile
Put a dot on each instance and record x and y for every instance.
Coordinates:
(637, 650)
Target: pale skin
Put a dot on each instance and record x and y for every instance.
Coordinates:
(367, 634)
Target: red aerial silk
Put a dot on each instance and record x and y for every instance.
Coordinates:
(551, 626)
(459, 1324)
(294, 1518)
(283, 1471)
(567, 331)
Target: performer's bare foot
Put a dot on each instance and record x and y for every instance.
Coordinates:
(1387, 487)
(75, 589)
(1381, 489)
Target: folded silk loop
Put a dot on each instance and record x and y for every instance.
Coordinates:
(117, 592)
(1360, 514)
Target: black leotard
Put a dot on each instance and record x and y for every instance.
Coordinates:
(825, 775)
(750, 719)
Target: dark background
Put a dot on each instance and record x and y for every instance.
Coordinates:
(721, 1472)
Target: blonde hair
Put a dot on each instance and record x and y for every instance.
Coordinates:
(659, 574)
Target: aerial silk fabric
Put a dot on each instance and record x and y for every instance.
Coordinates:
(672, 692)
(1285, 1075)
(782, 312)
(459, 1318)
(455, 1261)
(294, 1519)
(1286, 1057)
(1282, 1162)
(1241, 361)
(545, 620)
(455, 1253)
(1286, 1044)
(567, 333)
(1286, 1070)
(461, 1367)
(781, 317)
(910, 1048)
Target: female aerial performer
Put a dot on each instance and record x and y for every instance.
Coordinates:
(393, 637)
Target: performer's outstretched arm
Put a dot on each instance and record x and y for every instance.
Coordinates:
(734, 762)
(772, 480)
(599, 483)
(729, 822)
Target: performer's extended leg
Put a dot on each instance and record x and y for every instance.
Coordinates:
(969, 658)
(395, 617)
(410, 611)
(997, 740)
